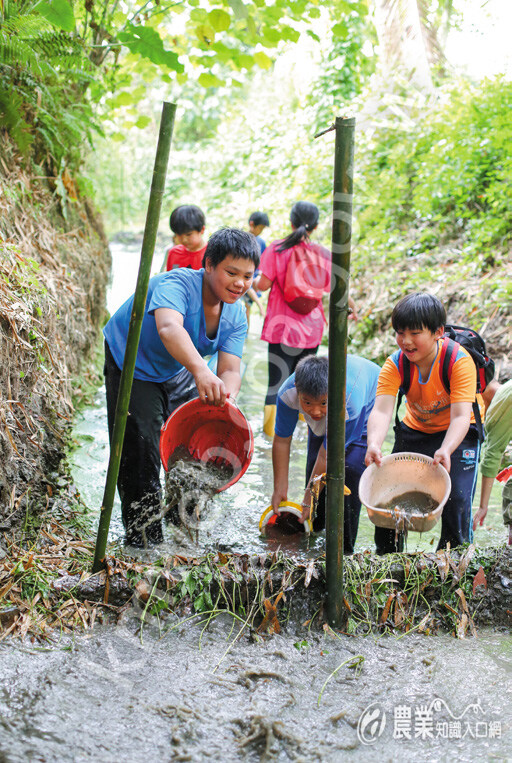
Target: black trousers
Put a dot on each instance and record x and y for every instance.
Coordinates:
(151, 403)
(354, 467)
(282, 362)
(456, 525)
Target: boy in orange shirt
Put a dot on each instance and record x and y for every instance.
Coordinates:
(437, 423)
(187, 222)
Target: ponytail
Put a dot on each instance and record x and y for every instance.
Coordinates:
(304, 218)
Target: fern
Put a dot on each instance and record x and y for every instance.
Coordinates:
(49, 72)
(11, 118)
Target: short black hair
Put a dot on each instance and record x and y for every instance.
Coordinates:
(259, 218)
(232, 241)
(417, 311)
(186, 218)
(312, 376)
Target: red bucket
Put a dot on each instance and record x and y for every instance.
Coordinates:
(209, 433)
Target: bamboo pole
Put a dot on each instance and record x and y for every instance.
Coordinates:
(132, 342)
(338, 319)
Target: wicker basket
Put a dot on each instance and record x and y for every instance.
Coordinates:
(398, 474)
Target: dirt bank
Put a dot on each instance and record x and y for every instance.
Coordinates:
(54, 267)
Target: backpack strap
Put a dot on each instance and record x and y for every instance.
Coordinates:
(405, 371)
(447, 359)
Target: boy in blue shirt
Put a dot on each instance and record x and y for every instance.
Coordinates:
(189, 314)
(258, 221)
(305, 391)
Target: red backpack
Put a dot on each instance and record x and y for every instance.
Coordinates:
(307, 276)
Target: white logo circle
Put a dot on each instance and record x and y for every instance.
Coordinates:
(372, 723)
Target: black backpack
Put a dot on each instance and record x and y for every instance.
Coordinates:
(453, 338)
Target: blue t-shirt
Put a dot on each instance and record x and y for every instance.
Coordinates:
(180, 290)
(262, 244)
(362, 377)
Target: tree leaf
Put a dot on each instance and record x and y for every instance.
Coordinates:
(340, 30)
(143, 122)
(147, 43)
(209, 80)
(57, 12)
(220, 20)
(239, 9)
(262, 60)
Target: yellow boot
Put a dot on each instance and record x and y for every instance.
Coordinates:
(269, 419)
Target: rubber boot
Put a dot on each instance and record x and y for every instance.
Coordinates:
(269, 419)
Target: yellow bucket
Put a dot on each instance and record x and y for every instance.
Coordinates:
(285, 507)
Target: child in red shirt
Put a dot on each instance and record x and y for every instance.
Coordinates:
(187, 222)
(437, 423)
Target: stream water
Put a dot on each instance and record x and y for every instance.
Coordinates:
(180, 693)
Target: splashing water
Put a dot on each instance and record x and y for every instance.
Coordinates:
(190, 484)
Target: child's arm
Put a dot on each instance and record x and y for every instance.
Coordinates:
(460, 417)
(280, 466)
(378, 425)
(319, 468)
(228, 369)
(178, 343)
(262, 283)
(485, 494)
(252, 293)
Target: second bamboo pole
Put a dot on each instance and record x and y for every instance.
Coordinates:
(338, 332)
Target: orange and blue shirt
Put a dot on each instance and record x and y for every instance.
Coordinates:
(428, 404)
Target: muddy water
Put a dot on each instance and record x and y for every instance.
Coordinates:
(412, 502)
(180, 692)
(193, 696)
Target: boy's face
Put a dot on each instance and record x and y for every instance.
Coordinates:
(256, 229)
(192, 240)
(315, 407)
(418, 345)
(231, 278)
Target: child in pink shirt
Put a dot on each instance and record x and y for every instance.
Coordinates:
(290, 335)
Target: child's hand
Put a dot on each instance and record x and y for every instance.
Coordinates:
(277, 497)
(306, 512)
(353, 310)
(212, 390)
(479, 517)
(373, 455)
(442, 456)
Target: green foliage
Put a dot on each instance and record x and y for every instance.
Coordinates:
(440, 171)
(347, 63)
(43, 78)
(57, 12)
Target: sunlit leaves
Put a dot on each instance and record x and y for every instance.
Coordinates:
(341, 30)
(146, 41)
(239, 9)
(57, 12)
(262, 60)
(220, 20)
(209, 80)
(142, 122)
